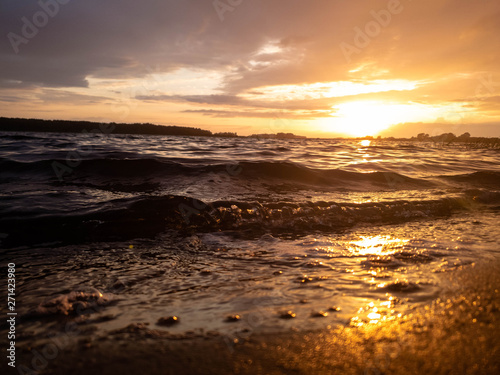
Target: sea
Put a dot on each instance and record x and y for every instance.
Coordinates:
(233, 236)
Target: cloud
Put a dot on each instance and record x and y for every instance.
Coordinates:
(233, 100)
(445, 44)
(112, 38)
(122, 38)
(64, 96)
(260, 114)
(9, 98)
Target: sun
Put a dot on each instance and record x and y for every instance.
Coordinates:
(362, 118)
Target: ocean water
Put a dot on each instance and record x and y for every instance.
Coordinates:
(112, 230)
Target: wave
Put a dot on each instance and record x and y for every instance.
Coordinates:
(272, 171)
(18, 137)
(484, 178)
(86, 300)
(124, 219)
(108, 168)
(111, 171)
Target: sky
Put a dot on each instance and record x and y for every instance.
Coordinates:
(317, 68)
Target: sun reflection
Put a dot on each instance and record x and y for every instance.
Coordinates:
(365, 142)
(376, 313)
(374, 317)
(376, 245)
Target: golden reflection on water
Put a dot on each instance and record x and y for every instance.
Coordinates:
(383, 309)
(380, 311)
(376, 245)
(376, 313)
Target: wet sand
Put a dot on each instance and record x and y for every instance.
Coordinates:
(458, 333)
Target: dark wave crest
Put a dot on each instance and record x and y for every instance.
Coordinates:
(139, 169)
(485, 178)
(124, 219)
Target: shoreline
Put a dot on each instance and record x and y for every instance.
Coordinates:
(456, 333)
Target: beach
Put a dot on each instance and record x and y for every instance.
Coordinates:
(457, 333)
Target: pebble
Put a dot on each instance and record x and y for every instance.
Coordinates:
(319, 314)
(288, 315)
(168, 321)
(233, 318)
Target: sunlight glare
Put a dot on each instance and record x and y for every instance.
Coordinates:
(368, 118)
(365, 142)
(376, 245)
(364, 118)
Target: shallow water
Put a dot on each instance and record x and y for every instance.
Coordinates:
(137, 228)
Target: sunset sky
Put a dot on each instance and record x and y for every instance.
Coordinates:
(317, 68)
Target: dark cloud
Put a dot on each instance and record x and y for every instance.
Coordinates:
(324, 104)
(111, 38)
(259, 114)
(122, 38)
(68, 97)
(10, 98)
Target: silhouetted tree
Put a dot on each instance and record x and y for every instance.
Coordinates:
(464, 136)
(422, 136)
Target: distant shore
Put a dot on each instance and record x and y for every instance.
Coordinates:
(66, 126)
